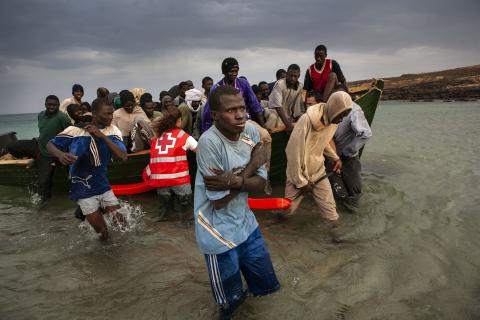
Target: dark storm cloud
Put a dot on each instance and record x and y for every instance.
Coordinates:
(34, 29)
(46, 45)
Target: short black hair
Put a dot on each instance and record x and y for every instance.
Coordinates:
(87, 105)
(98, 103)
(162, 94)
(262, 82)
(205, 79)
(316, 95)
(294, 67)
(52, 97)
(125, 96)
(77, 87)
(279, 73)
(183, 83)
(72, 108)
(146, 97)
(321, 47)
(214, 99)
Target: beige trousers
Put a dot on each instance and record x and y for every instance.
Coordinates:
(322, 195)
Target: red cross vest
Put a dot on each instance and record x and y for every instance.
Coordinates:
(168, 160)
(320, 77)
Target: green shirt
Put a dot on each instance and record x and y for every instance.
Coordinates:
(49, 126)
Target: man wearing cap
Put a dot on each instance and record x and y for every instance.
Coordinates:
(77, 94)
(230, 70)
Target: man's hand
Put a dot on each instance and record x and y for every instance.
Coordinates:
(307, 189)
(337, 166)
(94, 131)
(258, 156)
(222, 181)
(289, 126)
(67, 158)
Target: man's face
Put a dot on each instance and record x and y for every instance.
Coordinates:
(51, 106)
(310, 101)
(231, 117)
(128, 106)
(340, 117)
(78, 95)
(77, 114)
(167, 102)
(263, 89)
(207, 86)
(183, 89)
(232, 74)
(195, 104)
(104, 115)
(320, 56)
(83, 108)
(149, 107)
(292, 77)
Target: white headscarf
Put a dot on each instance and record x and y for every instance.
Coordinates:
(193, 95)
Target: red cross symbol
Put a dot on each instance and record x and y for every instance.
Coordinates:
(165, 143)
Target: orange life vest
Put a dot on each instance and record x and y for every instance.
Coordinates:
(320, 77)
(168, 160)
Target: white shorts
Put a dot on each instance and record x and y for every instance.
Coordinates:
(92, 204)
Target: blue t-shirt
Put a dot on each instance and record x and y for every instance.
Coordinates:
(220, 230)
(88, 174)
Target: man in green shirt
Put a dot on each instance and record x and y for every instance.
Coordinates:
(50, 123)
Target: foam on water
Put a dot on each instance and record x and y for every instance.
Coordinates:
(132, 213)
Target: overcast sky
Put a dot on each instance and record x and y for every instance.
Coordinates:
(48, 45)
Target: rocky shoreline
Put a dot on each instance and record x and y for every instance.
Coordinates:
(460, 84)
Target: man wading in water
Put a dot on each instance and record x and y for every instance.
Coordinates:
(90, 149)
(231, 163)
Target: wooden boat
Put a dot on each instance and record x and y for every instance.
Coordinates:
(15, 173)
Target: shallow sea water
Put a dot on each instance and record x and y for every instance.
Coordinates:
(413, 250)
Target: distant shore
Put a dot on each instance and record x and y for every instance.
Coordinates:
(460, 84)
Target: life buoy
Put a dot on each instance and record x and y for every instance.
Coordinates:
(129, 189)
(253, 203)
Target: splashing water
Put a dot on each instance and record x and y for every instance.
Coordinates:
(131, 213)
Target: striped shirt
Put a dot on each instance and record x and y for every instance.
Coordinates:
(220, 230)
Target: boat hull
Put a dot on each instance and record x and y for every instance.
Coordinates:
(15, 173)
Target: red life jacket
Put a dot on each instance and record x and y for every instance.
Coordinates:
(320, 77)
(168, 160)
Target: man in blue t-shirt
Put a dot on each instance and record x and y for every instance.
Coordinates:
(231, 163)
(88, 151)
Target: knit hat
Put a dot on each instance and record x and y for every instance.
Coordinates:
(228, 64)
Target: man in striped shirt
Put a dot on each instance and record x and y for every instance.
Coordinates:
(231, 163)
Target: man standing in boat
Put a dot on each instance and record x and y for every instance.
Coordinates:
(90, 150)
(230, 165)
(324, 75)
(254, 110)
(286, 97)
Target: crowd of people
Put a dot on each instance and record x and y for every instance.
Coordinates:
(226, 128)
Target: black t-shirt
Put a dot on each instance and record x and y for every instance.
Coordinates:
(308, 85)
